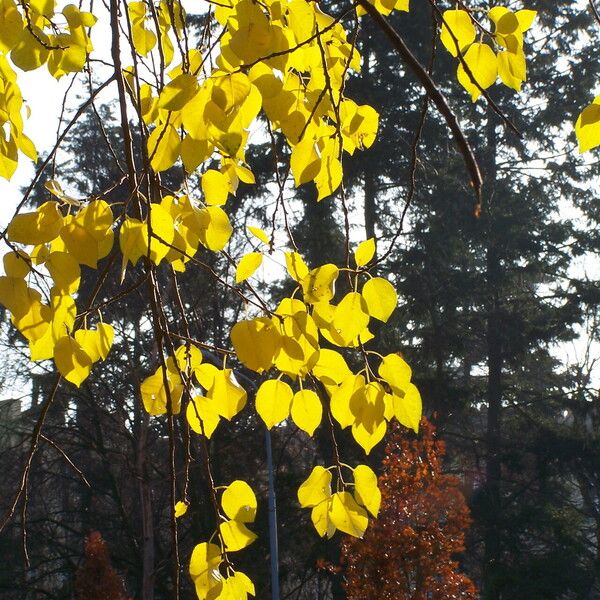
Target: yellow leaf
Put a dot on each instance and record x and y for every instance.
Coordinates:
(131, 241)
(178, 92)
(180, 509)
(296, 266)
(11, 26)
(256, 342)
(37, 227)
(396, 372)
(368, 437)
(380, 298)
(96, 343)
(299, 348)
(194, 152)
(273, 401)
(350, 317)
(347, 515)
(482, 62)
(329, 177)
(71, 360)
(88, 237)
(318, 285)
(587, 127)
(307, 410)
(31, 317)
(215, 229)
(29, 53)
(512, 69)
(202, 416)
(366, 491)
(344, 396)
(236, 536)
(321, 517)
(65, 271)
(239, 502)
(258, 233)
(526, 18)
(248, 265)
(408, 409)
(365, 252)
(235, 587)
(316, 488)
(143, 39)
(162, 230)
(331, 368)
(229, 397)
(64, 312)
(215, 187)
(16, 264)
(304, 161)
(163, 147)
(460, 24)
(154, 394)
(188, 357)
(204, 565)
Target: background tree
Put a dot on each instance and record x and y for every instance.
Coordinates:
(411, 551)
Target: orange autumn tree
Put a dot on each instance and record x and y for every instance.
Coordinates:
(408, 552)
(96, 579)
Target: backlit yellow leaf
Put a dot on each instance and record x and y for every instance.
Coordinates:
(365, 252)
(587, 127)
(460, 24)
(296, 266)
(202, 416)
(258, 233)
(180, 509)
(380, 298)
(318, 285)
(347, 515)
(273, 401)
(248, 265)
(215, 187)
(71, 360)
(178, 92)
(316, 488)
(256, 342)
(320, 515)
(482, 62)
(366, 491)
(38, 227)
(239, 502)
(350, 317)
(236, 536)
(396, 372)
(307, 410)
(408, 409)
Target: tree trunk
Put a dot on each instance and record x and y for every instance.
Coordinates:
(493, 465)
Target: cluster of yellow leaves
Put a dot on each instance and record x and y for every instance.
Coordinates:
(238, 504)
(59, 244)
(289, 342)
(341, 510)
(223, 396)
(287, 58)
(33, 34)
(172, 231)
(485, 65)
(587, 127)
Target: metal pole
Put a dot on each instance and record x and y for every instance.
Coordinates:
(272, 522)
